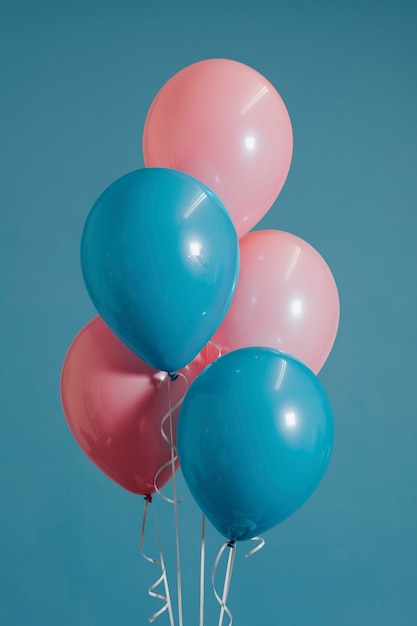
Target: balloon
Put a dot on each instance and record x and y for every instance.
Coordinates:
(254, 435)
(159, 256)
(286, 299)
(114, 404)
(224, 123)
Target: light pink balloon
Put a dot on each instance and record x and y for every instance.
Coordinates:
(225, 124)
(114, 404)
(286, 298)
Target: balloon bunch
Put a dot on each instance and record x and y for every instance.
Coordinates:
(172, 269)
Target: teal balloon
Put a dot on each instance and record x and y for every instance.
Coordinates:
(160, 260)
(254, 436)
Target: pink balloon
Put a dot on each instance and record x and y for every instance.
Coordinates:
(114, 404)
(225, 124)
(286, 298)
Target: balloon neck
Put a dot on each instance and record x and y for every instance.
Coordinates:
(148, 498)
(232, 543)
(173, 376)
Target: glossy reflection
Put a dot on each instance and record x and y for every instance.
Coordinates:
(290, 419)
(255, 434)
(286, 299)
(160, 260)
(225, 124)
(114, 403)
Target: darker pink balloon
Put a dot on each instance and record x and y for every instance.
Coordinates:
(286, 298)
(225, 124)
(114, 403)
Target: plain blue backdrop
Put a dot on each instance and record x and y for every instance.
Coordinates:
(77, 79)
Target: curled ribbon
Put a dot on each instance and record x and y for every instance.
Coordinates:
(214, 345)
(173, 376)
(163, 577)
(169, 438)
(228, 576)
(256, 548)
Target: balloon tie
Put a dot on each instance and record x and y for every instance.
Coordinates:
(229, 569)
(163, 577)
(256, 548)
(173, 375)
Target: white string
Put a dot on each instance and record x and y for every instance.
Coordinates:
(174, 457)
(163, 578)
(227, 581)
(256, 548)
(229, 569)
(202, 566)
(219, 350)
(169, 440)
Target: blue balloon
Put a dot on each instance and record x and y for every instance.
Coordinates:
(160, 260)
(255, 435)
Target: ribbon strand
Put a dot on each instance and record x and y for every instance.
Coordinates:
(216, 347)
(256, 548)
(169, 439)
(163, 577)
(228, 576)
(174, 457)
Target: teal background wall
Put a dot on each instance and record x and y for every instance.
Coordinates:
(77, 79)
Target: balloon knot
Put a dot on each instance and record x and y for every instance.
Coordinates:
(148, 498)
(173, 376)
(232, 543)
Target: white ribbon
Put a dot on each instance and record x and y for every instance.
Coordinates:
(256, 548)
(163, 577)
(228, 576)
